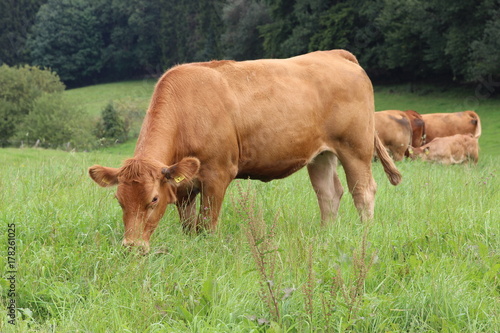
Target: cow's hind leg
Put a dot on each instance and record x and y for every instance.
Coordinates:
(361, 183)
(325, 181)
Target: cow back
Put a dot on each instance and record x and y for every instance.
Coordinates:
(448, 124)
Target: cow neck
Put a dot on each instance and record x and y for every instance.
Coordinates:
(156, 141)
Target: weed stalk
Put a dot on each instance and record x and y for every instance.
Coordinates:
(352, 293)
(262, 246)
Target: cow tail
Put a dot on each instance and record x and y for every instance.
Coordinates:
(387, 162)
(424, 134)
(478, 128)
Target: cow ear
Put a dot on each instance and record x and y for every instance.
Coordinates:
(183, 171)
(104, 176)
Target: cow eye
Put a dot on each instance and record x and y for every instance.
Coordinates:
(155, 200)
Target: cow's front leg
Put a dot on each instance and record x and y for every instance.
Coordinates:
(212, 195)
(186, 206)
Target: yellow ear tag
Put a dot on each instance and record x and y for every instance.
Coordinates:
(410, 151)
(427, 152)
(105, 181)
(179, 179)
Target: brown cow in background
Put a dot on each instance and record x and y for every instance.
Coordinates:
(418, 128)
(455, 149)
(395, 132)
(447, 124)
(209, 123)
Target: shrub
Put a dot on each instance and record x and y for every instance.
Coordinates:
(111, 127)
(53, 123)
(132, 112)
(19, 89)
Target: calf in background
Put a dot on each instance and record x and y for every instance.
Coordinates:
(455, 149)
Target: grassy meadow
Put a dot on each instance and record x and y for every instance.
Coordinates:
(95, 98)
(428, 262)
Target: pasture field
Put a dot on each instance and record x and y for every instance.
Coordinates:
(428, 262)
(95, 98)
(434, 244)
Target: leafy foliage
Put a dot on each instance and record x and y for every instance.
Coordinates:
(112, 127)
(485, 59)
(86, 41)
(131, 40)
(66, 38)
(16, 19)
(241, 38)
(190, 31)
(336, 28)
(53, 123)
(19, 90)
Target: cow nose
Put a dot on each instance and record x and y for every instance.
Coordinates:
(140, 245)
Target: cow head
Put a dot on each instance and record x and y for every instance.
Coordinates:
(145, 188)
(420, 152)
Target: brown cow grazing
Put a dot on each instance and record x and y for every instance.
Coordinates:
(417, 127)
(394, 130)
(455, 149)
(446, 124)
(209, 123)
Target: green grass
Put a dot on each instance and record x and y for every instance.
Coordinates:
(94, 99)
(434, 239)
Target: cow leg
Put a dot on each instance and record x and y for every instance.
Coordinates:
(186, 206)
(361, 184)
(326, 184)
(213, 189)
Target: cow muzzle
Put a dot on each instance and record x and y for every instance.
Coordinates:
(140, 245)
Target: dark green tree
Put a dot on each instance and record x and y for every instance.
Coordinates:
(129, 30)
(434, 38)
(302, 26)
(190, 31)
(241, 39)
(16, 19)
(66, 38)
(279, 29)
(178, 21)
(306, 17)
(209, 28)
(97, 40)
(336, 28)
(485, 56)
(402, 27)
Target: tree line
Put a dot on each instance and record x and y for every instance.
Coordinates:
(88, 41)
